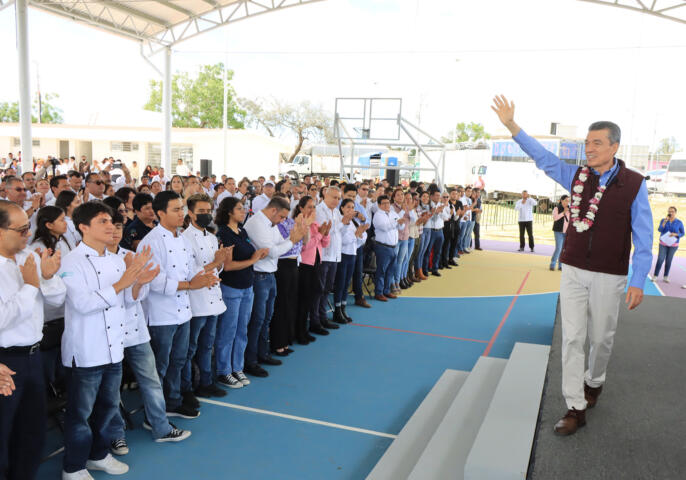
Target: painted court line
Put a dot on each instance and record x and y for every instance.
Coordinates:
(298, 419)
(492, 296)
(507, 314)
(419, 333)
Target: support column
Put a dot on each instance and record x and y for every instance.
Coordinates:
(167, 114)
(22, 21)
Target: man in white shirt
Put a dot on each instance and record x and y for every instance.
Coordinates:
(229, 190)
(168, 307)
(58, 184)
(181, 168)
(440, 213)
(95, 188)
(386, 225)
(524, 207)
(363, 205)
(327, 211)
(27, 281)
(99, 286)
(242, 190)
(263, 233)
(75, 181)
(206, 303)
(262, 200)
(466, 222)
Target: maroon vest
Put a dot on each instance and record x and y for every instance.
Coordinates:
(606, 246)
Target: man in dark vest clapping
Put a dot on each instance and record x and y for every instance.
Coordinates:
(609, 210)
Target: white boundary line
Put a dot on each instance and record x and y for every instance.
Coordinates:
(298, 419)
(492, 296)
(658, 288)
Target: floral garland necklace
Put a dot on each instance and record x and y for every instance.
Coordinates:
(583, 224)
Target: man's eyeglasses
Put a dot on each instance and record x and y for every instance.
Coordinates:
(19, 189)
(97, 182)
(20, 230)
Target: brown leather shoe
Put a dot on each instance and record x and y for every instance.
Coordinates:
(571, 422)
(380, 298)
(361, 302)
(416, 278)
(591, 395)
(391, 295)
(422, 276)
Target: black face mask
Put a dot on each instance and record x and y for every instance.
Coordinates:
(203, 219)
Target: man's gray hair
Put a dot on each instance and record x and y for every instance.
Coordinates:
(614, 133)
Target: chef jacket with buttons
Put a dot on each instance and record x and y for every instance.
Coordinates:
(22, 305)
(166, 304)
(204, 301)
(135, 327)
(94, 313)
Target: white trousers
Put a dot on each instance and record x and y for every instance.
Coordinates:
(589, 305)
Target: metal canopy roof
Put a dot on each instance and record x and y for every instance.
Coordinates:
(666, 9)
(159, 23)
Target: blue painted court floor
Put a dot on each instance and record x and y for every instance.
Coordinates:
(333, 408)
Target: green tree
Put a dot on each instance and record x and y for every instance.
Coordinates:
(9, 111)
(667, 146)
(306, 121)
(466, 132)
(198, 101)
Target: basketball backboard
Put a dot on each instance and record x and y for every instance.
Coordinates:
(368, 118)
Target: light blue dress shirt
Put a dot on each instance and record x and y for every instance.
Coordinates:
(641, 215)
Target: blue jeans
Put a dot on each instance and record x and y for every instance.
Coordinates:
(435, 244)
(92, 404)
(406, 263)
(232, 330)
(559, 241)
(423, 245)
(665, 254)
(384, 261)
(262, 310)
(465, 235)
(344, 273)
(200, 340)
(358, 273)
(399, 261)
(170, 344)
(142, 361)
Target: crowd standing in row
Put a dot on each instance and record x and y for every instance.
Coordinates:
(102, 266)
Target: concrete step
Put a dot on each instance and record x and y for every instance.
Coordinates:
(445, 454)
(403, 453)
(503, 445)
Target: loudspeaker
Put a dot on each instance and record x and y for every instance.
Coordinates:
(393, 177)
(205, 167)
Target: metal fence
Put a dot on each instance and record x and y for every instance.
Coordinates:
(502, 214)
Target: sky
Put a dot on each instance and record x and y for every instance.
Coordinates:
(561, 61)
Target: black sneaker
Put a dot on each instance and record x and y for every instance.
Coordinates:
(189, 400)
(176, 435)
(329, 325)
(147, 425)
(269, 361)
(255, 371)
(310, 338)
(318, 331)
(119, 447)
(183, 411)
(229, 381)
(211, 390)
(436, 273)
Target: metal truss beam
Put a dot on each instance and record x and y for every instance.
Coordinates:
(674, 10)
(5, 3)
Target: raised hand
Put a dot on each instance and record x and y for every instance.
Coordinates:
(259, 254)
(325, 228)
(29, 272)
(49, 263)
(361, 229)
(505, 111)
(133, 269)
(222, 253)
(147, 274)
(36, 200)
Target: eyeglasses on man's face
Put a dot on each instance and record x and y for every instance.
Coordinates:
(24, 230)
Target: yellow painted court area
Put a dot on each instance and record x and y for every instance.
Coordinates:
(489, 273)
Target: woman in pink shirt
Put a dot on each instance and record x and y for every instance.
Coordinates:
(560, 224)
(308, 271)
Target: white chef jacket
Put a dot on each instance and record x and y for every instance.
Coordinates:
(165, 304)
(22, 305)
(204, 301)
(94, 314)
(386, 227)
(135, 328)
(525, 209)
(72, 235)
(51, 312)
(324, 214)
(263, 234)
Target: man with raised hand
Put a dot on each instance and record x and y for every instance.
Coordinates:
(610, 209)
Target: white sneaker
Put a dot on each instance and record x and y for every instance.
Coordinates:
(240, 376)
(665, 279)
(80, 475)
(651, 277)
(109, 464)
